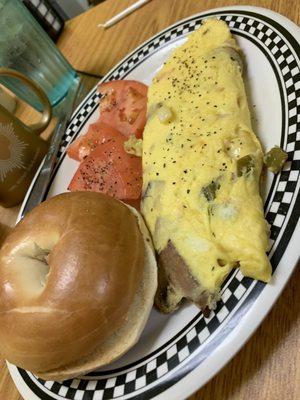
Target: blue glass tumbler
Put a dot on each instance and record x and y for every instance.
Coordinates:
(26, 47)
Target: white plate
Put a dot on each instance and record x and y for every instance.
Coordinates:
(179, 353)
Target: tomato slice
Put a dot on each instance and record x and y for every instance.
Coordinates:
(85, 144)
(109, 169)
(124, 106)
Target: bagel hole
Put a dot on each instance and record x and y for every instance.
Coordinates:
(42, 255)
(44, 271)
(40, 265)
(31, 262)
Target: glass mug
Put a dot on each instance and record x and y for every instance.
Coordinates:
(21, 149)
(26, 47)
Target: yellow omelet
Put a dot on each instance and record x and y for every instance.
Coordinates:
(201, 171)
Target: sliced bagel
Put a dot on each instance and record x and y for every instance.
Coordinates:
(77, 283)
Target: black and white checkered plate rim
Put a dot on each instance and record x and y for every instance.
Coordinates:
(161, 369)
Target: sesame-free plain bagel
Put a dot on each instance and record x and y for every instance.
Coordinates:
(77, 283)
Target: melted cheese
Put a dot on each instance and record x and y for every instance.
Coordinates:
(193, 191)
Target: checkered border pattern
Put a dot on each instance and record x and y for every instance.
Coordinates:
(290, 71)
(237, 288)
(160, 365)
(78, 121)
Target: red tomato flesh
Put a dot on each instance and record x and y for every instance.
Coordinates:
(109, 169)
(124, 106)
(85, 144)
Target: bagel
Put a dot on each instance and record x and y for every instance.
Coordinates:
(77, 283)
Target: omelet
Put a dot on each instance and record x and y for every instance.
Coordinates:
(202, 165)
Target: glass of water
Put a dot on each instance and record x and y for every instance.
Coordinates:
(25, 47)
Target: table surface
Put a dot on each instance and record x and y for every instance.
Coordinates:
(268, 366)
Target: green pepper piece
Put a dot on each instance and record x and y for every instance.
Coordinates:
(244, 165)
(275, 159)
(210, 190)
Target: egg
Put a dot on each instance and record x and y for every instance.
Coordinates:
(201, 171)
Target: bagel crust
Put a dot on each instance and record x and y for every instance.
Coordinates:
(69, 273)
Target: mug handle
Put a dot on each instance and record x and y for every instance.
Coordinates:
(40, 126)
